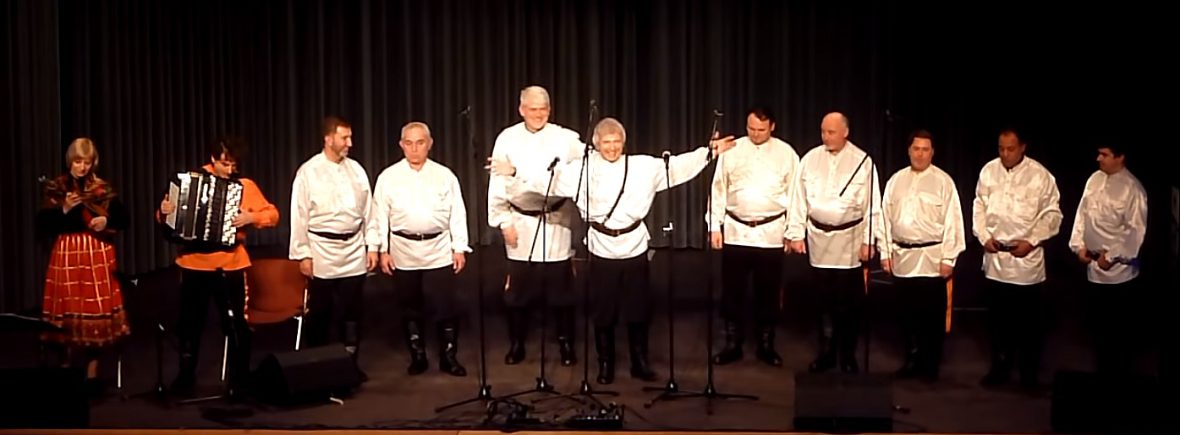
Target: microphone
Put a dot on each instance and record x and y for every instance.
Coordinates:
(666, 155)
(554, 163)
(717, 113)
(466, 111)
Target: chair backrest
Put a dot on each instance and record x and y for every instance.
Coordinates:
(276, 290)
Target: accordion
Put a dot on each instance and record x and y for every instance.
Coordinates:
(206, 206)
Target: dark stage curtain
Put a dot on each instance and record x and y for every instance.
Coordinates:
(153, 82)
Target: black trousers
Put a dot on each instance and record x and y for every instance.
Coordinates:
(1117, 318)
(538, 282)
(427, 292)
(922, 308)
(1016, 324)
(741, 264)
(334, 308)
(620, 291)
(841, 296)
(227, 289)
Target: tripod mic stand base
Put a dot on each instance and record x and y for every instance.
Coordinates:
(543, 385)
(669, 388)
(484, 395)
(709, 394)
(587, 389)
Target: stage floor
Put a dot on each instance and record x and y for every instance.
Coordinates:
(393, 400)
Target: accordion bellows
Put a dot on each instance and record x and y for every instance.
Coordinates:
(206, 206)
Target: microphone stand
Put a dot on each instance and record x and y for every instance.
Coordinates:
(867, 326)
(484, 390)
(543, 385)
(671, 390)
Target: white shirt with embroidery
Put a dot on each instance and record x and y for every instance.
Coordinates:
(1112, 217)
(922, 207)
(645, 175)
(532, 153)
(330, 197)
(424, 201)
(1021, 203)
(821, 195)
(754, 183)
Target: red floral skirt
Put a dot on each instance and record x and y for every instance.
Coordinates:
(81, 293)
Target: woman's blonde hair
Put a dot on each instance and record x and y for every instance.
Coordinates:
(82, 148)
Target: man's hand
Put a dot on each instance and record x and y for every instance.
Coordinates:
(305, 268)
(509, 233)
(1084, 256)
(72, 200)
(799, 246)
(243, 219)
(721, 145)
(387, 263)
(866, 253)
(1023, 247)
(945, 270)
(716, 240)
(991, 246)
(166, 206)
(500, 166)
(98, 224)
(887, 265)
(1103, 262)
(460, 261)
(371, 261)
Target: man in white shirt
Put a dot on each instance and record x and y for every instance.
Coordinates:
(1015, 210)
(420, 206)
(747, 223)
(334, 237)
(1107, 234)
(622, 190)
(835, 188)
(922, 238)
(536, 230)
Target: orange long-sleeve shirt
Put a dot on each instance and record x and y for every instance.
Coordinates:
(265, 215)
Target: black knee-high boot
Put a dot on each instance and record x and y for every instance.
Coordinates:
(637, 337)
(604, 343)
(565, 336)
(517, 331)
(417, 347)
(448, 334)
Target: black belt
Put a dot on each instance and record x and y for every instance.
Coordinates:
(534, 213)
(334, 236)
(615, 233)
(754, 223)
(907, 245)
(412, 236)
(830, 228)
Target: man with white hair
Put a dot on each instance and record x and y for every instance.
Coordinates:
(423, 220)
(536, 232)
(624, 187)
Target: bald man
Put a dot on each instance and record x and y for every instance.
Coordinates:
(832, 193)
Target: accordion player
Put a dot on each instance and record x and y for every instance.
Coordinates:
(205, 208)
